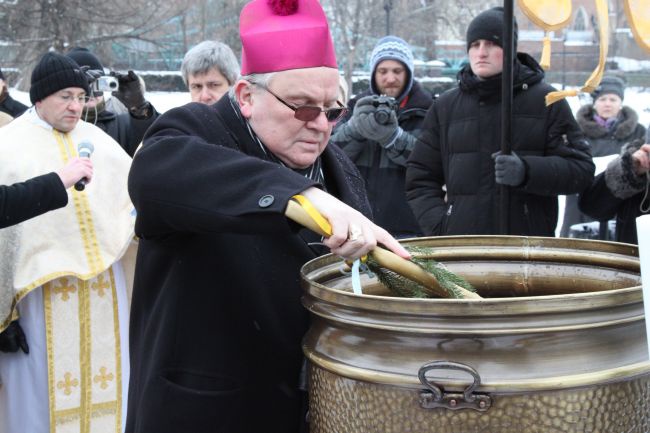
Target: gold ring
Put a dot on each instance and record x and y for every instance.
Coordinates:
(354, 233)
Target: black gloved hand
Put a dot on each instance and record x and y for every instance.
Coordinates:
(13, 338)
(509, 169)
(364, 123)
(130, 91)
(91, 74)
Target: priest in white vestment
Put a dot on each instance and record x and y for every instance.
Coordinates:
(61, 273)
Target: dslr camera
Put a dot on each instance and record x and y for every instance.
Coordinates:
(105, 83)
(385, 105)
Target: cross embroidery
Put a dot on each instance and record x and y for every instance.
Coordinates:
(67, 384)
(103, 378)
(64, 289)
(100, 285)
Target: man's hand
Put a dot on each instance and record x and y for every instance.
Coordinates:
(13, 338)
(364, 123)
(353, 235)
(641, 160)
(91, 74)
(130, 91)
(75, 170)
(509, 169)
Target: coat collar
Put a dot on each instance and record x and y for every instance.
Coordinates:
(626, 124)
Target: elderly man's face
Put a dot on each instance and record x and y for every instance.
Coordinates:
(295, 142)
(207, 88)
(62, 109)
(485, 58)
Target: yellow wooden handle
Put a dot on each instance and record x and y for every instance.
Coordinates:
(300, 210)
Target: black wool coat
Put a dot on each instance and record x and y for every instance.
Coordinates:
(127, 130)
(216, 318)
(450, 180)
(385, 169)
(25, 200)
(603, 142)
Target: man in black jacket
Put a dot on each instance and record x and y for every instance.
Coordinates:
(378, 134)
(8, 104)
(216, 318)
(455, 168)
(127, 128)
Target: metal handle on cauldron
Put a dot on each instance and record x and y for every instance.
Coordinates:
(436, 397)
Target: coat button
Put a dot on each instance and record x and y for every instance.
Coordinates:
(266, 201)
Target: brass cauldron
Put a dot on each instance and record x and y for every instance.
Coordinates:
(559, 344)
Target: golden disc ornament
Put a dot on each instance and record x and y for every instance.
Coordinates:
(549, 15)
(638, 17)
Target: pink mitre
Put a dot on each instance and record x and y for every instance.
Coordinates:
(278, 35)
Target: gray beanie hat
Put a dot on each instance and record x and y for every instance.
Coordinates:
(55, 72)
(392, 48)
(609, 84)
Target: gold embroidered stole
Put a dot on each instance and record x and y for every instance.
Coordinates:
(83, 338)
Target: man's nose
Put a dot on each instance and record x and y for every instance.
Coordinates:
(205, 95)
(320, 122)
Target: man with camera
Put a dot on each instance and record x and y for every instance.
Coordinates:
(379, 133)
(125, 128)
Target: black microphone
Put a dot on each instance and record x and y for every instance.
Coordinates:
(85, 149)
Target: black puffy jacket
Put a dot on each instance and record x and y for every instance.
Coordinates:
(454, 152)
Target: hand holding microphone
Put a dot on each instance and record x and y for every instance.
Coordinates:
(78, 171)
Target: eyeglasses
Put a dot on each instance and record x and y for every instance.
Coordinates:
(308, 113)
(67, 99)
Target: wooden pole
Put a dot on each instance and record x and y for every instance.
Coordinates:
(506, 107)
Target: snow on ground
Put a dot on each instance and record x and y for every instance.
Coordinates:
(636, 98)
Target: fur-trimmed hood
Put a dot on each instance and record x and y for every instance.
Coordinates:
(625, 126)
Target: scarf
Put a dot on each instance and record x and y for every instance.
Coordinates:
(610, 123)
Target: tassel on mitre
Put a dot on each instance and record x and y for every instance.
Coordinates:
(545, 61)
(284, 7)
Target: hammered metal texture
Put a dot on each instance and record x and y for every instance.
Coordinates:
(341, 405)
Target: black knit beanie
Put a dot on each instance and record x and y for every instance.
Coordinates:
(489, 25)
(609, 84)
(84, 57)
(55, 72)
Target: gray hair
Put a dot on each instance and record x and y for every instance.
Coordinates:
(261, 79)
(207, 55)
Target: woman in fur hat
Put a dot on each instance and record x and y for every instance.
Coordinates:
(608, 125)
